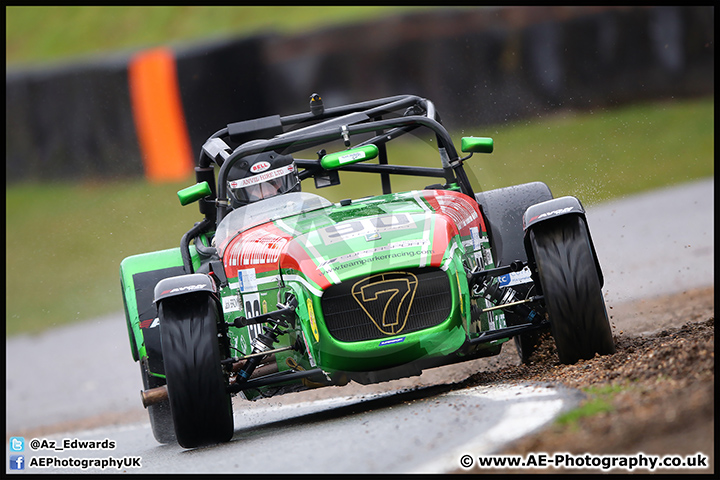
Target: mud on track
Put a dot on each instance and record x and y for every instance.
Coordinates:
(661, 385)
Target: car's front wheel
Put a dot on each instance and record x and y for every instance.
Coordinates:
(571, 287)
(200, 405)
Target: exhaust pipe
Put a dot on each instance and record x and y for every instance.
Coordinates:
(153, 396)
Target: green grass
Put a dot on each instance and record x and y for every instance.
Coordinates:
(599, 400)
(601, 155)
(64, 242)
(37, 34)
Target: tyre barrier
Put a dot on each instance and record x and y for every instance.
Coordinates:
(148, 112)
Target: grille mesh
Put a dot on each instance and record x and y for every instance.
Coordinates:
(387, 304)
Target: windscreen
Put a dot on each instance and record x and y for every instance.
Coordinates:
(274, 208)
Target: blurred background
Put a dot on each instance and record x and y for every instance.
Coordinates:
(597, 102)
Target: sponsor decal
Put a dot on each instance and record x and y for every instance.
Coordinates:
(313, 322)
(490, 317)
(230, 304)
(475, 234)
(260, 167)
(150, 323)
(347, 230)
(255, 247)
(559, 211)
(308, 350)
(457, 207)
(251, 304)
(262, 177)
(391, 342)
(372, 236)
(461, 211)
(247, 280)
(349, 157)
(462, 299)
(186, 288)
(386, 298)
(500, 319)
(515, 278)
(387, 252)
(488, 257)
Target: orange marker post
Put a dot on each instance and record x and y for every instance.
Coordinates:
(159, 119)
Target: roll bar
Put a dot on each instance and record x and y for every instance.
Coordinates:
(321, 125)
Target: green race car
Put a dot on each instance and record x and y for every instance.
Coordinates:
(278, 290)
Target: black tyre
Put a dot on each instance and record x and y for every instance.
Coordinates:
(200, 405)
(161, 420)
(571, 286)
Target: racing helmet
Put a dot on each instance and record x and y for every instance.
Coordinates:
(261, 176)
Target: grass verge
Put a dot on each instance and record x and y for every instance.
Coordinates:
(599, 400)
(62, 32)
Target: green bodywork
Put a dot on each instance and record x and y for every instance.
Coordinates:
(137, 294)
(312, 250)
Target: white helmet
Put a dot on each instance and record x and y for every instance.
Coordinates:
(261, 176)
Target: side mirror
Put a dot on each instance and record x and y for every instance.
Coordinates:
(192, 194)
(476, 144)
(335, 160)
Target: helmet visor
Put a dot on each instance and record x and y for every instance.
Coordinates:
(264, 185)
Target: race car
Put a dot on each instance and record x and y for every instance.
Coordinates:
(278, 289)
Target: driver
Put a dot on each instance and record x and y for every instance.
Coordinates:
(261, 176)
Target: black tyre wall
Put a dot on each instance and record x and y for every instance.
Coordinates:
(569, 280)
(201, 407)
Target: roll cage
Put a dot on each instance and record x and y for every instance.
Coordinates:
(385, 118)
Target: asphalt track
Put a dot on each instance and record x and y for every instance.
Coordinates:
(649, 245)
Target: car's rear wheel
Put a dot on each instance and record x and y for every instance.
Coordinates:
(526, 343)
(161, 420)
(200, 405)
(571, 287)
